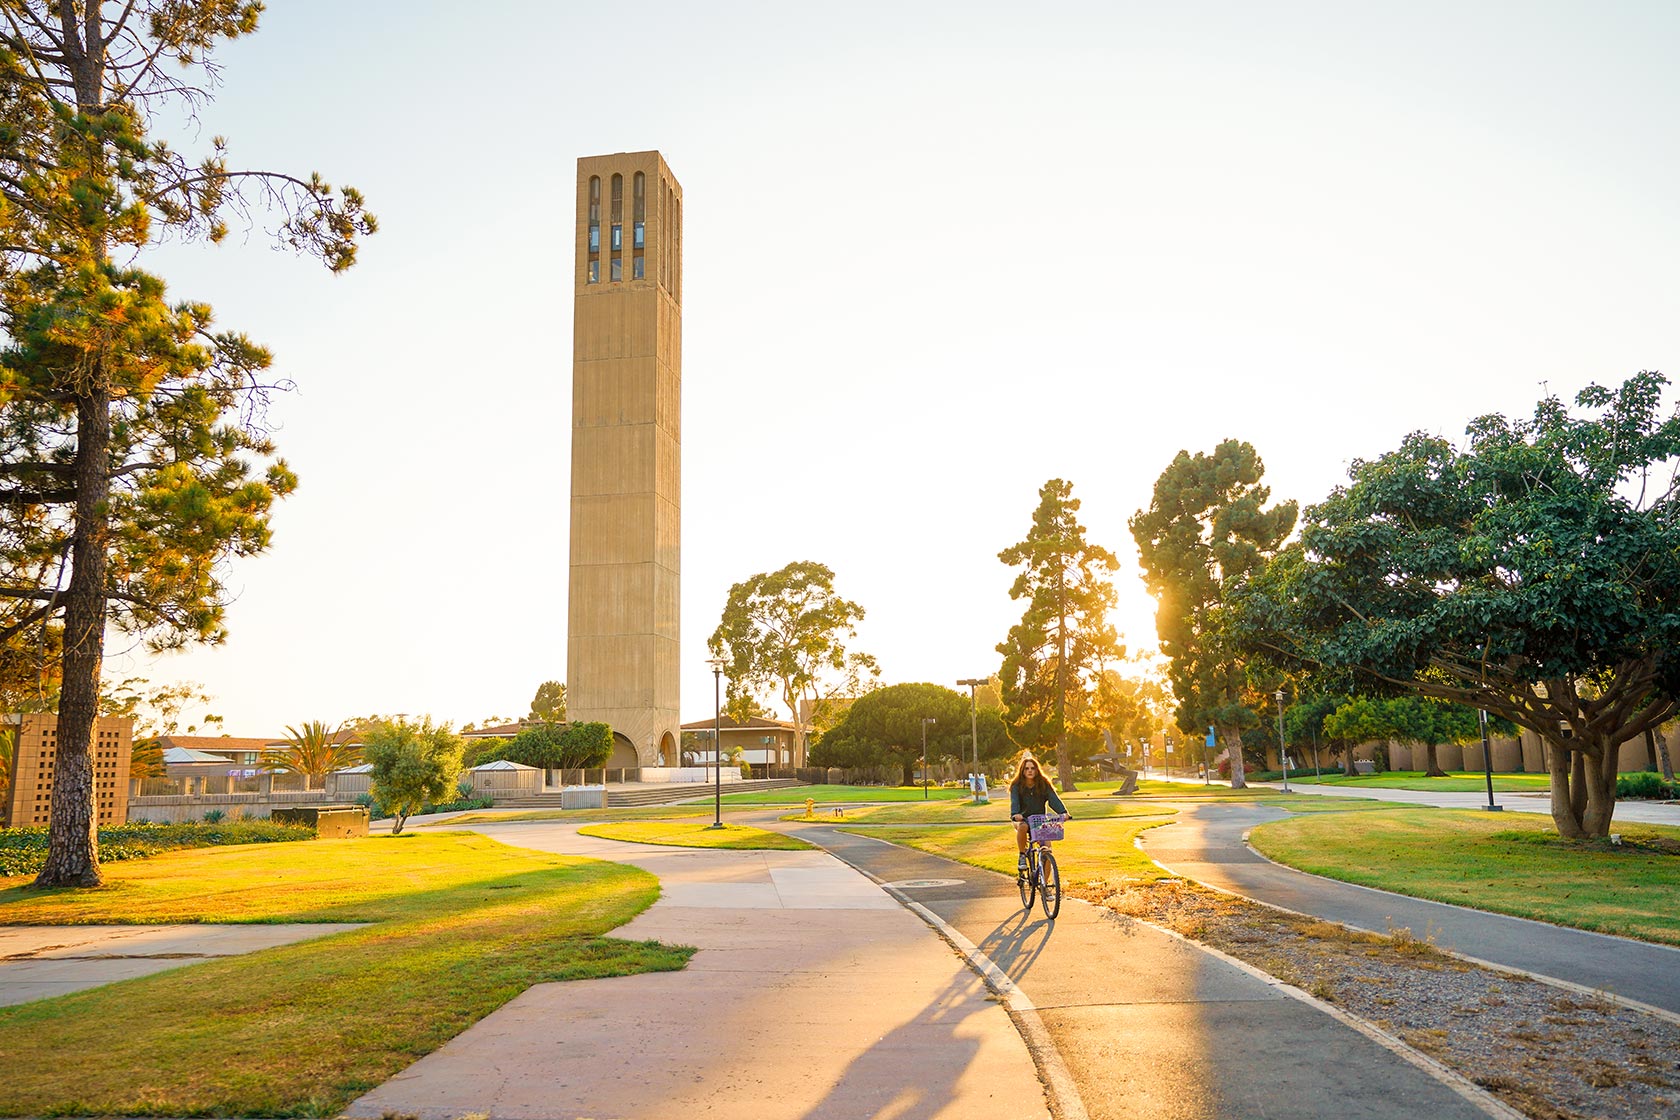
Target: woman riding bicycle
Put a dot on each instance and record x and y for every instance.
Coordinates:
(1029, 794)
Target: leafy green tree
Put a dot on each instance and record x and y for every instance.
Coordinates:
(314, 750)
(129, 426)
(1054, 657)
(414, 763)
(554, 747)
(884, 728)
(1533, 573)
(1431, 724)
(549, 704)
(784, 633)
(478, 752)
(1206, 529)
(1303, 722)
(1359, 720)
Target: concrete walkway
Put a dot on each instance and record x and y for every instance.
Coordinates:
(41, 961)
(1206, 844)
(814, 995)
(1152, 1027)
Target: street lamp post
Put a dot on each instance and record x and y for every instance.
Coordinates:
(1487, 761)
(973, 684)
(925, 721)
(717, 739)
(1283, 748)
(1166, 755)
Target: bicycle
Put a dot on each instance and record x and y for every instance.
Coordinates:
(1042, 879)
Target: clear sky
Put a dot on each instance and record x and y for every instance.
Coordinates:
(935, 255)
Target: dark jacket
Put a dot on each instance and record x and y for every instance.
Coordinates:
(1027, 802)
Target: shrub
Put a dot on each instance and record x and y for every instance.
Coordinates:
(24, 850)
(746, 769)
(214, 816)
(1648, 786)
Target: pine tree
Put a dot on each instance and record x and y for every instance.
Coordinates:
(1054, 657)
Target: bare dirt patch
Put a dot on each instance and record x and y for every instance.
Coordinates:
(1551, 1053)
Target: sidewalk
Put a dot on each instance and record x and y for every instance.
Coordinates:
(1152, 1027)
(1206, 844)
(814, 995)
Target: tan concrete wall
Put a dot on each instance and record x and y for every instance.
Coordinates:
(626, 489)
(36, 754)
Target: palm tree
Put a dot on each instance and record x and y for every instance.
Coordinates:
(313, 751)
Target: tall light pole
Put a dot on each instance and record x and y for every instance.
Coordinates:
(974, 684)
(717, 738)
(1283, 749)
(925, 721)
(1487, 761)
(1166, 754)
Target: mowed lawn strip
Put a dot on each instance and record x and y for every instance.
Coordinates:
(694, 834)
(460, 925)
(826, 795)
(1509, 863)
(965, 812)
(1462, 781)
(621, 813)
(1095, 852)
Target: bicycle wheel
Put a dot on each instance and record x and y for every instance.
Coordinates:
(1027, 881)
(1050, 885)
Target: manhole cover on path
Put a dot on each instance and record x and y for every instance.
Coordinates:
(912, 884)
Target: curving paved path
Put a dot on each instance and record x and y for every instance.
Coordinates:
(814, 996)
(1206, 844)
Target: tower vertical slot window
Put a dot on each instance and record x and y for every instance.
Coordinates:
(636, 267)
(593, 273)
(618, 198)
(638, 213)
(617, 269)
(617, 237)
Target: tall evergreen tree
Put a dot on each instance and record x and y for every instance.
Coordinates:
(129, 428)
(1205, 531)
(1054, 657)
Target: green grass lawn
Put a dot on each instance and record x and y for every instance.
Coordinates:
(576, 816)
(1506, 862)
(1461, 781)
(1094, 851)
(961, 812)
(695, 834)
(460, 924)
(827, 795)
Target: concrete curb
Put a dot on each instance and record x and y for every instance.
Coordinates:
(1457, 1082)
(1509, 970)
(1059, 1086)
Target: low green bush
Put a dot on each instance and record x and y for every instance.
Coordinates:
(24, 850)
(1646, 785)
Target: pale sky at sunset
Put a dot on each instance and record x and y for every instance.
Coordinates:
(935, 255)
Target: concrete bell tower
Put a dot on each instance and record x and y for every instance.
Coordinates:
(622, 613)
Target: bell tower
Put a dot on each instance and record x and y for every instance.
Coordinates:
(626, 526)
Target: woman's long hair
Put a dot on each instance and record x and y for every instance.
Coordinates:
(1038, 782)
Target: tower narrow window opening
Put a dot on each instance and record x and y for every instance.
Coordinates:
(636, 267)
(618, 198)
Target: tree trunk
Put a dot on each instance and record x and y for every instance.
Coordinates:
(1651, 749)
(1583, 790)
(1064, 764)
(1434, 770)
(1233, 743)
(1347, 761)
(1601, 790)
(1564, 816)
(1662, 755)
(73, 828)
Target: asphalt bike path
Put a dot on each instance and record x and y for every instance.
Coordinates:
(1206, 843)
(1152, 1027)
(814, 996)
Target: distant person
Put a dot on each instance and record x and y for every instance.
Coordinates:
(1029, 794)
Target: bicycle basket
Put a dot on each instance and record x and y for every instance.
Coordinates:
(1044, 828)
